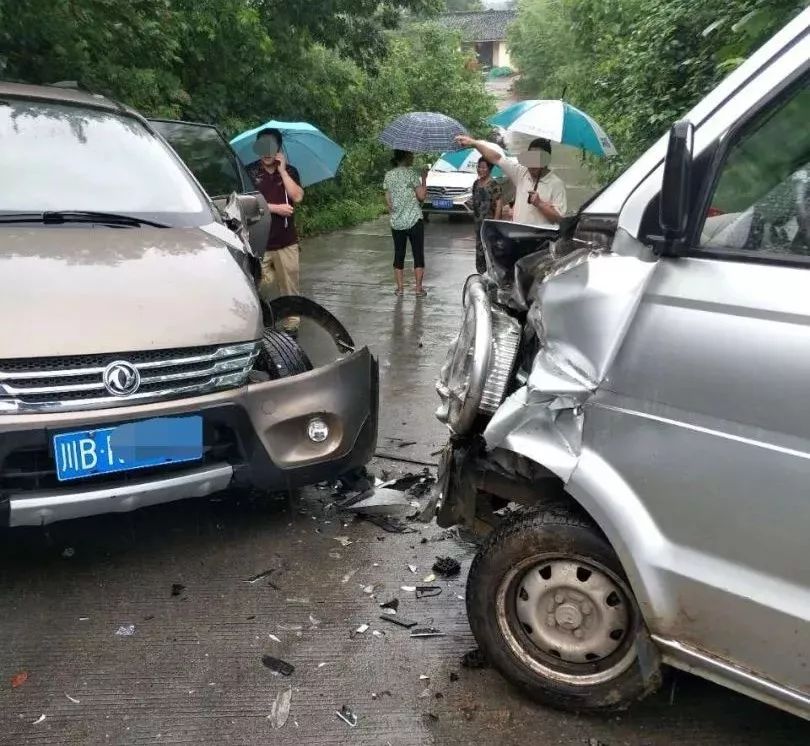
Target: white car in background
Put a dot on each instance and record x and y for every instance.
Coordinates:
(449, 186)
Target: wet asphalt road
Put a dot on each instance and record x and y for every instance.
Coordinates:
(192, 671)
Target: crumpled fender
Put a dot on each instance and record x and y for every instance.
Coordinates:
(580, 311)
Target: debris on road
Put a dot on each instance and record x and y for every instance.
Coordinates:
(177, 589)
(68, 552)
(474, 659)
(391, 525)
(347, 716)
(427, 591)
(314, 622)
(424, 677)
(429, 578)
(274, 638)
(39, 720)
(399, 621)
(348, 576)
(361, 630)
(412, 568)
(344, 541)
(426, 632)
(125, 630)
(280, 709)
(19, 679)
(73, 699)
(446, 567)
(408, 588)
(378, 633)
(256, 578)
(277, 666)
(393, 604)
(424, 694)
(379, 501)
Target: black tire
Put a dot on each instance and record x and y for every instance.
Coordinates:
(507, 559)
(281, 356)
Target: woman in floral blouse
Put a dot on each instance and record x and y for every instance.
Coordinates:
(486, 204)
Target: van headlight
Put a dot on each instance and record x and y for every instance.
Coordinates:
(479, 363)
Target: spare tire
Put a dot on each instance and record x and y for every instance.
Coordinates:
(281, 356)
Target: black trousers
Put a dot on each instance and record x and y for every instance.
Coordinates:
(416, 234)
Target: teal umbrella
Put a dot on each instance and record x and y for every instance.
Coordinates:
(462, 160)
(556, 121)
(311, 152)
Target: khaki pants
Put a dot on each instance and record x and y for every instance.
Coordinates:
(280, 268)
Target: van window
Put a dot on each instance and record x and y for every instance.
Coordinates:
(761, 202)
(208, 156)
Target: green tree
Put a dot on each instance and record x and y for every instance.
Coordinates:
(637, 65)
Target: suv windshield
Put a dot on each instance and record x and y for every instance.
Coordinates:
(58, 157)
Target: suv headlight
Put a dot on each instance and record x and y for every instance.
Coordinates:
(479, 362)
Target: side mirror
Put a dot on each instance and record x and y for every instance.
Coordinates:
(676, 185)
(251, 208)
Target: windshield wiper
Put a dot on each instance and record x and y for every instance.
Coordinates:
(78, 216)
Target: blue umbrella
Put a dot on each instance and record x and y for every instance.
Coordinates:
(314, 155)
(557, 121)
(463, 160)
(422, 132)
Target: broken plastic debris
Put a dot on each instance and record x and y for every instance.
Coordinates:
(427, 591)
(291, 627)
(412, 568)
(424, 677)
(314, 622)
(274, 638)
(377, 633)
(177, 589)
(125, 630)
(321, 665)
(277, 666)
(258, 576)
(68, 552)
(474, 659)
(361, 630)
(429, 578)
(393, 604)
(84, 618)
(280, 709)
(348, 576)
(408, 588)
(446, 567)
(298, 600)
(426, 632)
(379, 501)
(19, 679)
(369, 589)
(346, 715)
(399, 621)
(344, 541)
(73, 699)
(40, 719)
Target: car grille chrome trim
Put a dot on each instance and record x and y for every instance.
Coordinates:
(506, 334)
(76, 383)
(447, 192)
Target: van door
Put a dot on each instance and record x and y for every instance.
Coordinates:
(216, 166)
(709, 400)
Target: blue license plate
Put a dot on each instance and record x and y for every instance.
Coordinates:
(443, 204)
(136, 445)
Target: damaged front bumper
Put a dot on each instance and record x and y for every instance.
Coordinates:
(255, 436)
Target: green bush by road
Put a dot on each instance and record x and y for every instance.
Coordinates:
(338, 64)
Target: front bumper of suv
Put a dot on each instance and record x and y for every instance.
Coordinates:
(254, 436)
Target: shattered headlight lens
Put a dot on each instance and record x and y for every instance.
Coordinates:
(506, 333)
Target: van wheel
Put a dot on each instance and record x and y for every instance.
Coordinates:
(552, 611)
(281, 356)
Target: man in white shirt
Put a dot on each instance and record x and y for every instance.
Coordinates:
(539, 193)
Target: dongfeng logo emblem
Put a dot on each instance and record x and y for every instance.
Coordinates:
(121, 378)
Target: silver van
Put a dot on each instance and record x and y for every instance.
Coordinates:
(630, 420)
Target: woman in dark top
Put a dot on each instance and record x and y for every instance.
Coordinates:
(486, 204)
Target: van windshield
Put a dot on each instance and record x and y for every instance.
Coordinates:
(61, 157)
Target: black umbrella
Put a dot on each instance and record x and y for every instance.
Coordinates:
(422, 132)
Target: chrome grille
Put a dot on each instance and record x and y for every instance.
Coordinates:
(77, 382)
(505, 342)
(436, 192)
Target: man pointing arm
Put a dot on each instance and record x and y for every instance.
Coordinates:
(540, 197)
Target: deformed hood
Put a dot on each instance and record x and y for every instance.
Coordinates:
(72, 290)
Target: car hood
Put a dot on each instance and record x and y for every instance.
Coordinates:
(87, 290)
(450, 179)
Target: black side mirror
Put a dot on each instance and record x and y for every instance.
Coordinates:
(676, 186)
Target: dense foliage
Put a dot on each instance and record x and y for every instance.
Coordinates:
(237, 63)
(636, 65)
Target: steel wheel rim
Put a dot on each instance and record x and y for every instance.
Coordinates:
(588, 599)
